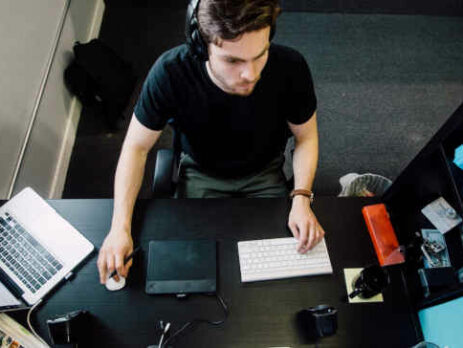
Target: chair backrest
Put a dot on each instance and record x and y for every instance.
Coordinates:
(177, 149)
(165, 175)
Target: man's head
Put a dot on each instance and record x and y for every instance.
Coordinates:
(237, 35)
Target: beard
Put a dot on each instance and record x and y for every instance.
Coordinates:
(243, 88)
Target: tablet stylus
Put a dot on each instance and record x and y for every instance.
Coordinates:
(127, 259)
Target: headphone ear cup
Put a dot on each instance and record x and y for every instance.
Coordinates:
(193, 36)
(199, 46)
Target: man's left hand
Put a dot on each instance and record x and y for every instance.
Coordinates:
(304, 225)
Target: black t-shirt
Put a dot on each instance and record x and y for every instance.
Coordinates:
(228, 135)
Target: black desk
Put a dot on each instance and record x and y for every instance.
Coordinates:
(261, 314)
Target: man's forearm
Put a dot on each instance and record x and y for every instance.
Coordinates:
(129, 176)
(118, 244)
(305, 159)
(302, 221)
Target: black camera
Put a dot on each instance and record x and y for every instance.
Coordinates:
(68, 328)
(317, 322)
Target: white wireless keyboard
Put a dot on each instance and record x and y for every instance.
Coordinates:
(267, 259)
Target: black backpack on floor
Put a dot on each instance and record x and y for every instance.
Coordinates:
(100, 78)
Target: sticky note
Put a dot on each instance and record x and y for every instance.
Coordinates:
(349, 275)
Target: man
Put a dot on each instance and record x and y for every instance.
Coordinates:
(233, 97)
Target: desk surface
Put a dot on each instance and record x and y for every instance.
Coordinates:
(261, 314)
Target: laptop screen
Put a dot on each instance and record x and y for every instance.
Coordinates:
(7, 299)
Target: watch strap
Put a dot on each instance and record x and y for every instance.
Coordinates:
(302, 192)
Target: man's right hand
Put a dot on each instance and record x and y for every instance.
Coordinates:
(116, 247)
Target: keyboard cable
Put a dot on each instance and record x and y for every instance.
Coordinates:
(199, 321)
(30, 325)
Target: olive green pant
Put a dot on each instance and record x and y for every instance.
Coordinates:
(193, 183)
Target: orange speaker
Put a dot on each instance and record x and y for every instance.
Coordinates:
(382, 235)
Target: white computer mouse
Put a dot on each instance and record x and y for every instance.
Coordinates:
(112, 285)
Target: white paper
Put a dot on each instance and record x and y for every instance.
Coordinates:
(441, 215)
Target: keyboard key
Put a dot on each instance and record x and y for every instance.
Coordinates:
(34, 273)
(51, 269)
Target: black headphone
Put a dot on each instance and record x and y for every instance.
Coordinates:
(194, 40)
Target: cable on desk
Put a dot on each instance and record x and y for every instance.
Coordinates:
(30, 325)
(200, 320)
(164, 332)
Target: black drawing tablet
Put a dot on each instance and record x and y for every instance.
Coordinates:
(181, 267)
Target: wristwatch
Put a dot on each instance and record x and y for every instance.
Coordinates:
(303, 192)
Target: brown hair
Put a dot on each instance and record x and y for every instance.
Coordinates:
(229, 19)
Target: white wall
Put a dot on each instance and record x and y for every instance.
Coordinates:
(35, 151)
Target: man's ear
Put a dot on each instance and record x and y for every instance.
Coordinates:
(210, 48)
(217, 41)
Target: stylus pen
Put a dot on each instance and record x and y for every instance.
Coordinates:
(127, 259)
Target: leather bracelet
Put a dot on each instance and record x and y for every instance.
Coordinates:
(302, 192)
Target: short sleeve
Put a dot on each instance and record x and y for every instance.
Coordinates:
(302, 101)
(155, 103)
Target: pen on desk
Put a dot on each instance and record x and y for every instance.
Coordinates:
(127, 259)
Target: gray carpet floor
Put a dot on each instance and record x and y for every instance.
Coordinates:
(385, 84)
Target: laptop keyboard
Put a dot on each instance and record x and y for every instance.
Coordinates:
(24, 256)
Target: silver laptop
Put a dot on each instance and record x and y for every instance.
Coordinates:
(38, 248)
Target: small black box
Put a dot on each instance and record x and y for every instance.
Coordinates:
(69, 328)
(433, 279)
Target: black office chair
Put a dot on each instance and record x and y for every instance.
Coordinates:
(166, 170)
(165, 174)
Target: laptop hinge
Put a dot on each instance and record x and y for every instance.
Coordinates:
(10, 285)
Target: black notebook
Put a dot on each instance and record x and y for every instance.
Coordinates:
(181, 267)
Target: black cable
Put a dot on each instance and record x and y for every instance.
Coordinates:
(200, 321)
